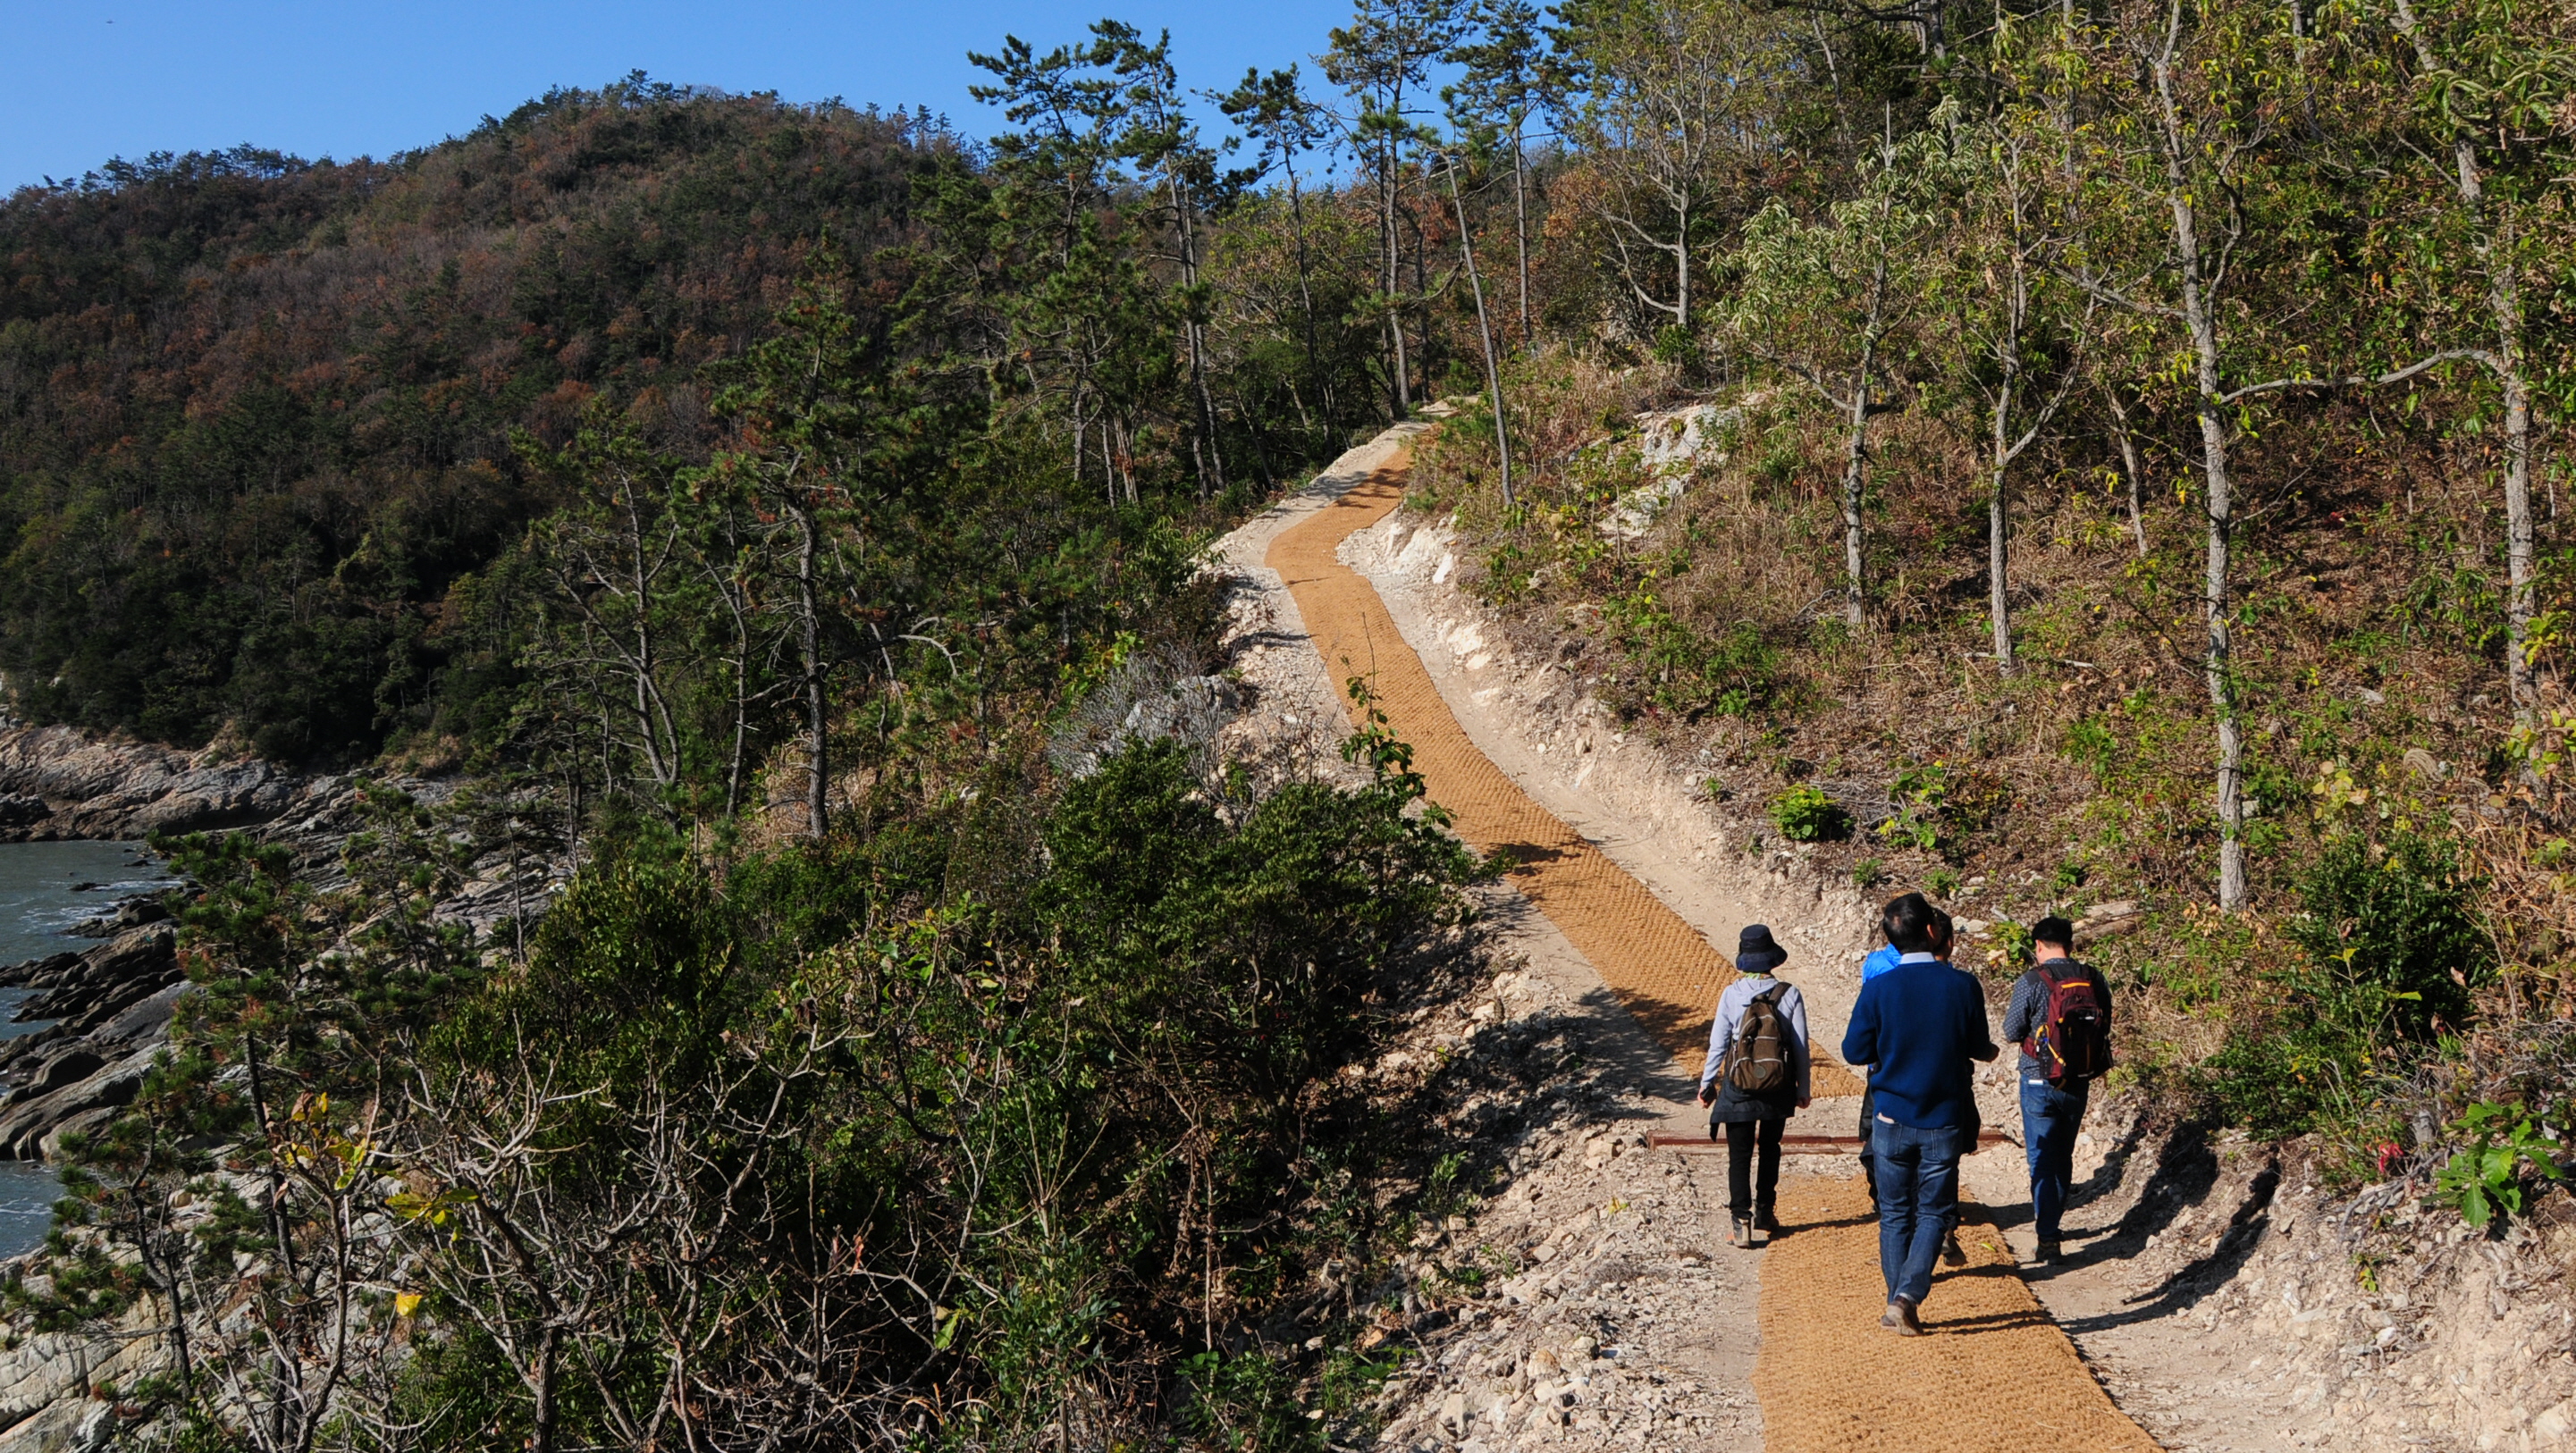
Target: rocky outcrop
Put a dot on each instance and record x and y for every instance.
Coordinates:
(48, 1381)
(59, 783)
(111, 1010)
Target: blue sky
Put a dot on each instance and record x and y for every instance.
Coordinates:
(81, 82)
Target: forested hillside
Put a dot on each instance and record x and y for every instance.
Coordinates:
(256, 414)
(2133, 480)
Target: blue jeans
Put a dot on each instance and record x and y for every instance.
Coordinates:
(2050, 1117)
(1918, 1194)
(1868, 1164)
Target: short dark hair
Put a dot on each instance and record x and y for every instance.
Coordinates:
(2053, 929)
(1909, 923)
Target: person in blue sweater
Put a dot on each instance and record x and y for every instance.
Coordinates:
(1918, 1026)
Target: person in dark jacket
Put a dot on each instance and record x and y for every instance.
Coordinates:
(2051, 1113)
(1754, 1119)
(1918, 1027)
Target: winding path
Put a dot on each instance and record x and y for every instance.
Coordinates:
(1998, 1373)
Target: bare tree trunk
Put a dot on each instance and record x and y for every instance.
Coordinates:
(1394, 285)
(542, 1415)
(1484, 334)
(1520, 226)
(2517, 504)
(1213, 465)
(1855, 476)
(1681, 265)
(809, 627)
(2130, 463)
(741, 698)
(1306, 295)
(2494, 243)
(2218, 664)
(1856, 449)
(1998, 512)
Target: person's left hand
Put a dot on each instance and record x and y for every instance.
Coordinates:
(1805, 1100)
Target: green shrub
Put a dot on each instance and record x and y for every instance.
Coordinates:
(1804, 814)
(2391, 948)
(1918, 795)
(1247, 1404)
(2487, 1177)
(1686, 672)
(2093, 745)
(2394, 923)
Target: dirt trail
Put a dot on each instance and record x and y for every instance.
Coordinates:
(1663, 971)
(2002, 1374)
(1994, 1373)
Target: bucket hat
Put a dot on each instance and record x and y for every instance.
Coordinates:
(1755, 952)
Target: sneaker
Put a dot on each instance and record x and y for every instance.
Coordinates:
(1952, 1253)
(2049, 1253)
(1743, 1236)
(1766, 1221)
(1900, 1318)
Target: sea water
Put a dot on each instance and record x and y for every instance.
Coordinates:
(47, 890)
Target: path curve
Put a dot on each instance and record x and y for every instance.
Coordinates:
(1999, 1373)
(1663, 972)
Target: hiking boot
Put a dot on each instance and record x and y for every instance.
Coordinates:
(1767, 1221)
(2049, 1254)
(1743, 1237)
(1900, 1318)
(1952, 1253)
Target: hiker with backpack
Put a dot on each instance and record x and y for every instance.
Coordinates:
(1918, 1027)
(2061, 1015)
(1755, 1078)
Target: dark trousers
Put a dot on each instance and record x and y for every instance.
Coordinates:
(1918, 1190)
(1749, 1193)
(2050, 1116)
(1868, 1162)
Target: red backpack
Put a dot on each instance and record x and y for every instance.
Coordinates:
(2073, 1038)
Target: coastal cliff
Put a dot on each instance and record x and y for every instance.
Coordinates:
(59, 783)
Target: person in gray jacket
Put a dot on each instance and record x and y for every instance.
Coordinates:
(1754, 1119)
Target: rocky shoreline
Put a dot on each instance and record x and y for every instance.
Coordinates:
(111, 1005)
(59, 784)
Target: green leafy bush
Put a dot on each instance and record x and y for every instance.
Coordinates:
(2092, 744)
(2390, 949)
(1804, 814)
(2487, 1176)
(1918, 796)
(2396, 921)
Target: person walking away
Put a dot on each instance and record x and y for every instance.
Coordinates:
(1880, 960)
(2060, 1014)
(1756, 1076)
(1918, 1027)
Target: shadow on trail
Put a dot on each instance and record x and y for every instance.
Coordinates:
(1625, 1044)
(1990, 1322)
(2186, 1173)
